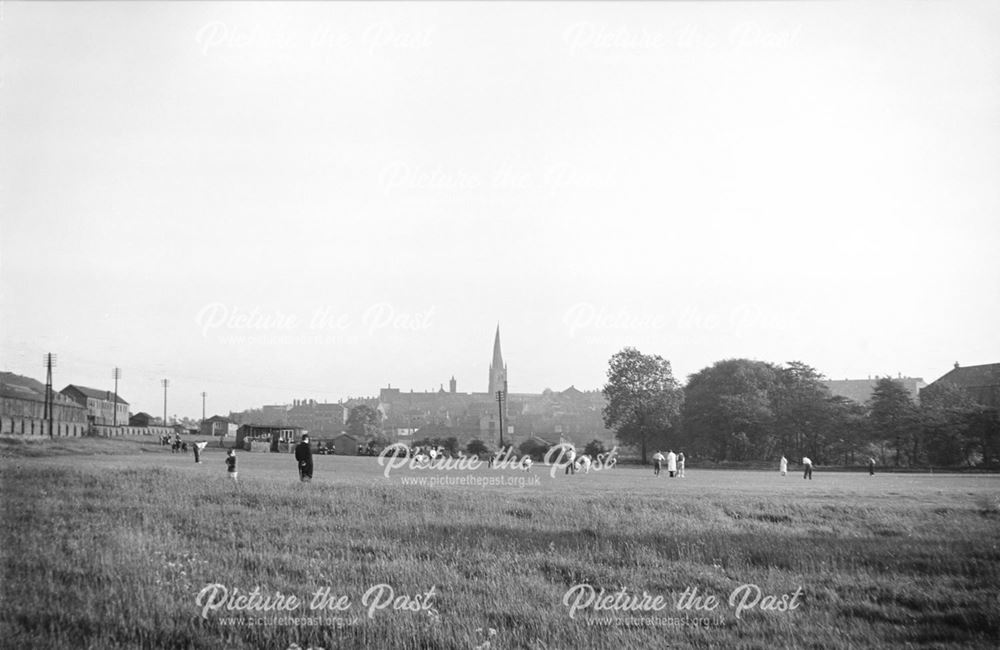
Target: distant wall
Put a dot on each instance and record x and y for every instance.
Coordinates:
(22, 426)
(107, 430)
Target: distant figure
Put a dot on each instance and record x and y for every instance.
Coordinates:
(304, 456)
(783, 465)
(231, 464)
(871, 466)
(680, 464)
(657, 463)
(526, 463)
(198, 446)
(184, 447)
(571, 464)
(585, 463)
(808, 464)
(671, 463)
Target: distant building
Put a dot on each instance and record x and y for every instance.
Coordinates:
(218, 426)
(141, 420)
(571, 414)
(22, 408)
(272, 436)
(346, 445)
(100, 404)
(981, 383)
(319, 418)
(861, 390)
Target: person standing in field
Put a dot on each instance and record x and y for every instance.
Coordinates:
(198, 446)
(808, 465)
(571, 461)
(657, 463)
(680, 464)
(671, 463)
(783, 465)
(231, 464)
(304, 456)
(871, 466)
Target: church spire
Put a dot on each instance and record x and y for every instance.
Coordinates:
(497, 357)
(498, 370)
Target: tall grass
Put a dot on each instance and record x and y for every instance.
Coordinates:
(94, 557)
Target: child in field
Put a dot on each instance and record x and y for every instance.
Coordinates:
(871, 466)
(783, 465)
(808, 465)
(231, 464)
(198, 447)
(680, 464)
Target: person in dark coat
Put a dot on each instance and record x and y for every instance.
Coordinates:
(304, 456)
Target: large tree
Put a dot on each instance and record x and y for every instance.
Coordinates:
(644, 399)
(728, 412)
(802, 410)
(947, 417)
(893, 419)
(364, 423)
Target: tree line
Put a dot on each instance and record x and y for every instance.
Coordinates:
(746, 410)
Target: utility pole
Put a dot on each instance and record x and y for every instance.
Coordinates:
(500, 410)
(203, 395)
(116, 374)
(49, 360)
(166, 384)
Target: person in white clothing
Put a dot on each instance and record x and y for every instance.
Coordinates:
(671, 463)
(571, 461)
(808, 465)
(198, 448)
(680, 465)
(783, 465)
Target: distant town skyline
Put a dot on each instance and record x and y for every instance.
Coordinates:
(271, 202)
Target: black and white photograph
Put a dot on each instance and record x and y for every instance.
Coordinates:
(499, 325)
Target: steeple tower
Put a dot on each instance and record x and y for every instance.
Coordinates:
(498, 370)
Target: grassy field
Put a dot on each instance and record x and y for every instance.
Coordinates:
(112, 543)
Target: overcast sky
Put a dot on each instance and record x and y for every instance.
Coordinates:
(269, 202)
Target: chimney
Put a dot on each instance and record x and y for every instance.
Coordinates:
(956, 365)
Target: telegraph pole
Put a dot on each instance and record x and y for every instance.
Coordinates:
(50, 361)
(116, 374)
(166, 384)
(203, 395)
(500, 410)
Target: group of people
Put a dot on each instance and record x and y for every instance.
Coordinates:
(583, 462)
(178, 446)
(674, 462)
(807, 467)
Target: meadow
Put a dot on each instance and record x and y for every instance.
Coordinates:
(115, 543)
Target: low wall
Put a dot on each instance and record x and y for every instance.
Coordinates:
(21, 426)
(110, 431)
